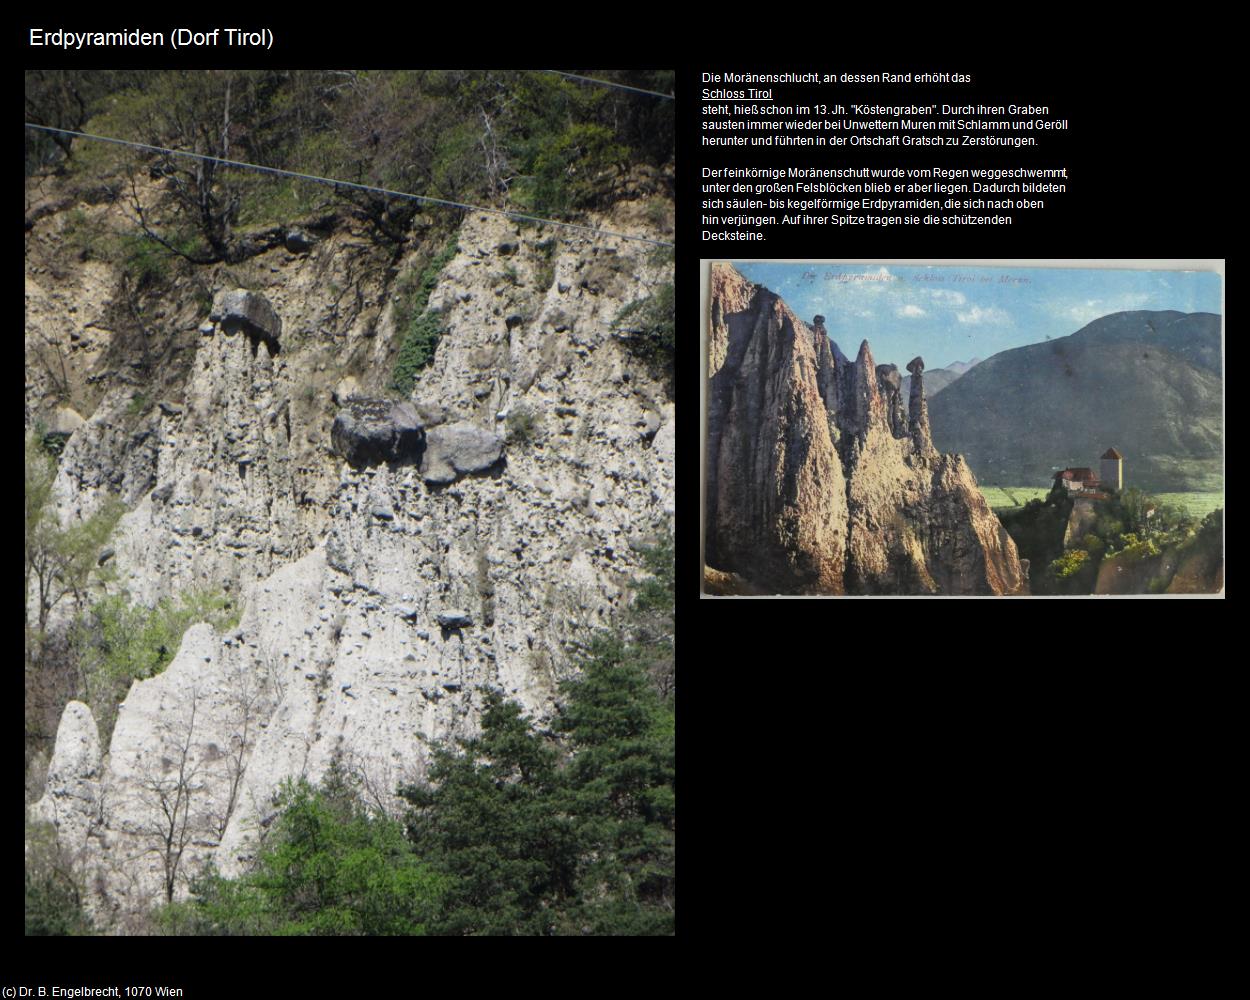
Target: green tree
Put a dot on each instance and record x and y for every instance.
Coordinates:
(573, 839)
(53, 898)
(329, 869)
(488, 822)
(619, 787)
(60, 562)
(117, 642)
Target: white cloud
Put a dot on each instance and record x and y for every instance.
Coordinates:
(1085, 312)
(976, 316)
(910, 312)
(948, 298)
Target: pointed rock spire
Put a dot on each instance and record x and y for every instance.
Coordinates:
(864, 393)
(918, 410)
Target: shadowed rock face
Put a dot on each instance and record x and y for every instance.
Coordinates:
(817, 480)
(775, 475)
(373, 431)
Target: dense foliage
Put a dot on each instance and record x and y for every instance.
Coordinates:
(53, 898)
(420, 327)
(1129, 527)
(329, 868)
(531, 140)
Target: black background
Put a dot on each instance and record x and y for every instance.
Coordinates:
(871, 773)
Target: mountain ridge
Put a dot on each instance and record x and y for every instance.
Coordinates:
(1146, 382)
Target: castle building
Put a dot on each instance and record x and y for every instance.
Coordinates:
(1112, 470)
(1076, 480)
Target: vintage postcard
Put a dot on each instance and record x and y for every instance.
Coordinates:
(951, 430)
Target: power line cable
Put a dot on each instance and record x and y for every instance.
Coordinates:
(350, 184)
(609, 83)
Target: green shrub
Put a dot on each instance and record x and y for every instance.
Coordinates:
(569, 169)
(119, 642)
(421, 329)
(649, 323)
(1069, 564)
(53, 899)
(144, 259)
(522, 425)
(416, 352)
(329, 869)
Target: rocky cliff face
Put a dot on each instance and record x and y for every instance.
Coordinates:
(378, 594)
(818, 482)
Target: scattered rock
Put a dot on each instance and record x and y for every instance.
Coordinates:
(348, 388)
(106, 555)
(455, 619)
(338, 555)
(649, 424)
(170, 409)
(507, 248)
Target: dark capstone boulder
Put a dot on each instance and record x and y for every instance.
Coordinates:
(373, 431)
(916, 365)
(888, 376)
(454, 450)
(297, 241)
(455, 619)
(247, 311)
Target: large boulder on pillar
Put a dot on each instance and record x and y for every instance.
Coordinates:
(250, 312)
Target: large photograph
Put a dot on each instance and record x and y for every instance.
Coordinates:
(903, 429)
(349, 432)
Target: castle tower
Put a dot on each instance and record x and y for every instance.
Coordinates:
(1112, 471)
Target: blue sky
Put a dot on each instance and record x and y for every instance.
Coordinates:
(954, 313)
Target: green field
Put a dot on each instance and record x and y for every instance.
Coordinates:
(1002, 496)
(1197, 504)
